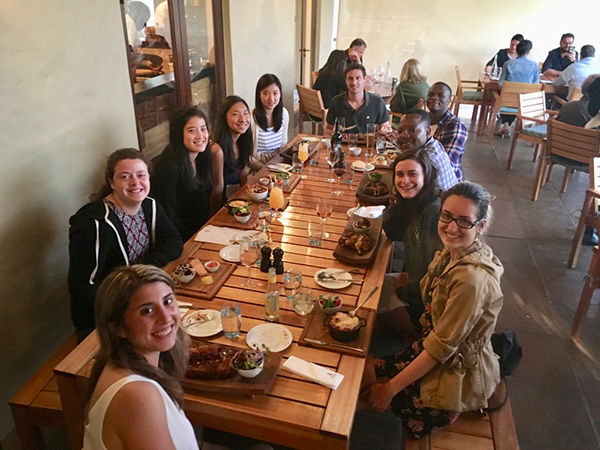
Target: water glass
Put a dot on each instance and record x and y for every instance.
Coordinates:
(231, 320)
(314, 158)
(348, 177)
(292, 280)
(264, 214)
(315, 233)
(380, 146)
(296, 164)
(303, 302)
(352, 140)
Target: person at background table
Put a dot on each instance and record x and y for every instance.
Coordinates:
(452, 368)
(560, 58)
(411, 218)
(231, 149)
(331, 80)
(354, 53)
(449, 130)
(414, 133)
(505, 54)
(576, 112)
(594, 104)
(270, 119)
(181, 179)
(574, 75)
(520, 70)
(120, 226)
(412, 88)
(357, 106)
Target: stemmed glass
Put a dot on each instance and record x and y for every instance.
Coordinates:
(248, 256)
(303, 156)
(332, 160)
(339, 169)
(324, 210)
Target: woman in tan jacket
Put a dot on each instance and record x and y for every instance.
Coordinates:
(452, 367)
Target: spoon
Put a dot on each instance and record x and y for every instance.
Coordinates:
(353, 312)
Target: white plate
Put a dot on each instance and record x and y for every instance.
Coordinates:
(276, 337)
(279, 167)
(351, 211)
(202, 329)
(243, 235)
(230, 253)
(368, 168)
(334, 284)
(311, 139)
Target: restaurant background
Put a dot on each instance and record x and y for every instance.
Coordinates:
(67, 103)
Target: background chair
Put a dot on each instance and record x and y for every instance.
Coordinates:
(507, 102)
(468, 92)
(576, 94)
(591, 283)
(589, 213)
(311, 108)
(532, 111)
(420, 105)
(569, 146)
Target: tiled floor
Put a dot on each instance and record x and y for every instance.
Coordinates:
(555, 393)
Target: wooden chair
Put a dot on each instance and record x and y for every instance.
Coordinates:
(569, 146)
(575, 95)
(507, 102)
(313, 75)
(468, 92)
(532, 111)
(590, 284)
(589, 213)
(311, 106)
(420, 105)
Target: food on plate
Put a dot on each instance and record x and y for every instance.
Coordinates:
(184, 273)
(362, 223)
(283, 177)
(212, 266)
(360, 242)
(210, 362)
(237, 203)
(344, 322)
(249, 363)
(197, 265)
(207, 280)
(375, 189)
(381, 160)
(359, 164)
(330, 303)
(241, 211)
(256, 188)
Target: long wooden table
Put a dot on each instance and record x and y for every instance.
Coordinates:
(296, 413)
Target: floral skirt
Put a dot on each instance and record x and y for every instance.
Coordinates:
(407, 405)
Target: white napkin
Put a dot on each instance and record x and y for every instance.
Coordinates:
(370, 212)
(216, 235)
(313, 372)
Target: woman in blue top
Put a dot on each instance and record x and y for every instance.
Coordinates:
(270, 118)
(520, 70)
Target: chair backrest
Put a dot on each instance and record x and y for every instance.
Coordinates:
(576, 94)
(509, 95)
(459, 90)
(570, 141)
(533, 105)
(311, 101)
(595, 179)
(314, 74)
(452, 102)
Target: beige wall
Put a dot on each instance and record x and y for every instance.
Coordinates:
(461, 32)
(65, 105)
(263, 39)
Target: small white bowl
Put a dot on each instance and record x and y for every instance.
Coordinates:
(182, 273)
(258, 196)
(212, 266)
(354, 151)
(264, 181)
(242, 219)
(252, 372)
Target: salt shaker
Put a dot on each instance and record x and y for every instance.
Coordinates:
(278, 260)
(265, 261)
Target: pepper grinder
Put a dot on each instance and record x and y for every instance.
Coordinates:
(265, 262)
(278, 260)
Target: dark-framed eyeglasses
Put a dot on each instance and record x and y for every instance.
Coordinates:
(462, 223)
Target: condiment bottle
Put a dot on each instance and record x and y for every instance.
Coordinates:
(272, 298)
(336, 139)
(278, 260)
(265, 261)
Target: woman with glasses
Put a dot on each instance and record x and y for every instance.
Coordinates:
(452, 367)
(412, 219)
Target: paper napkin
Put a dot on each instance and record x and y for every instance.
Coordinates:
(370, 212)
(313, 372)
(216, 235)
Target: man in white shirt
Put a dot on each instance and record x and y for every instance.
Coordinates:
(161, 21)
(574, 75)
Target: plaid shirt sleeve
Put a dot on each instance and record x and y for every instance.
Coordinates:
(452, 134)
(439, 158)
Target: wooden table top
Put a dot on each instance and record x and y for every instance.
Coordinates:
(296, 412)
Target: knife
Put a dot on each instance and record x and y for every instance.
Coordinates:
(333, 344)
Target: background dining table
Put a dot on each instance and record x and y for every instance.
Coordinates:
(295, 412)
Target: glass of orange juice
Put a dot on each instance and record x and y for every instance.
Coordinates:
(303, 155)
(276, 200)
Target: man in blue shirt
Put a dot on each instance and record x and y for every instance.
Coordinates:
(560, 58)
(574, 75)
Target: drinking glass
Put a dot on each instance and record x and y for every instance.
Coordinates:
(371, 128)
(341, 121)
(332, 160)
(380, 146)
(276, 201)
(314, 158)
(315, 233)
(352, 140)
(292, 280)
(324, 210)
(296, 164)
(339, 170)
(248, 256)
(302, 156)
(348, 178)
(264, 213)
(303, 302)
(231, 319)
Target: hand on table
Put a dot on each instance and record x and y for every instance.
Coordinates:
(381, 396)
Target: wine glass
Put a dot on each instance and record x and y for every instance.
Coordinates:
(248, 256)
(303, 156)
(380, 72)
(332, 160)
(324, 210)
(339, 169)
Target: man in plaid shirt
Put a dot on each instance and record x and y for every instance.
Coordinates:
(450, 131)
(413, 133)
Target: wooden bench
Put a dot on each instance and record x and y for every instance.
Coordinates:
(38, 403)
(494, 431)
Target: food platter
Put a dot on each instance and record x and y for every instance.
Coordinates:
(349, 255)
(383, 199)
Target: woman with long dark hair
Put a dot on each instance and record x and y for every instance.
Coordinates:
(120, 226)
(181, 180)
(331, 80)
(270, 118)
(231, 149)
(412, 219)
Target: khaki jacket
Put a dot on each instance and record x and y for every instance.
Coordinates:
(466, 301)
